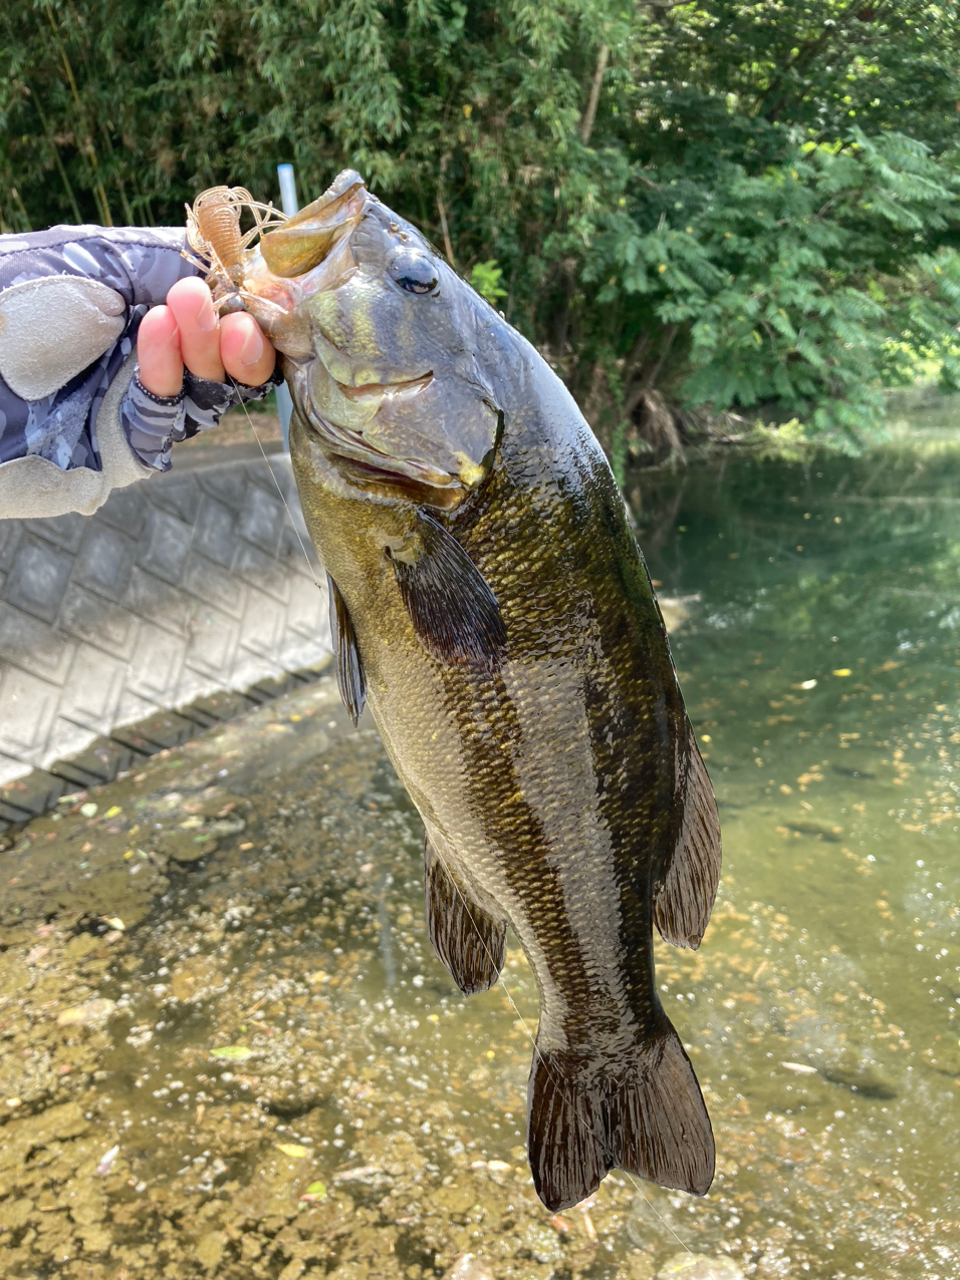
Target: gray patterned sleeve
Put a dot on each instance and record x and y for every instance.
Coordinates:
(71, 301)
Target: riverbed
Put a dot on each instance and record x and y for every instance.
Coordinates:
(226, 1048)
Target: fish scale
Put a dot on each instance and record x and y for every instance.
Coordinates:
(532, 836)
(491, 603)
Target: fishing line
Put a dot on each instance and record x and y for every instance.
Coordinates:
(537, 1054)
(277, 483)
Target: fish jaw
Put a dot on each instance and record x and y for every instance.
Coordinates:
(406, 431)
(352, 470)
(306, 240)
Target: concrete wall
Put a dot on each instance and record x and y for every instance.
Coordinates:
(191, 583)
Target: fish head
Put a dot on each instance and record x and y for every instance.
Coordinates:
(380, 339)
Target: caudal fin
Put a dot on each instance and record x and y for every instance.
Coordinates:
(645, 1114)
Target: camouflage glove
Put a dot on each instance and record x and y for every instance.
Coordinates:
(74, 423)
(152, 423)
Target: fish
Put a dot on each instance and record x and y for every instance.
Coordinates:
(490, 605)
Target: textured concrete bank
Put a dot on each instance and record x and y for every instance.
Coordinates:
(176, 592)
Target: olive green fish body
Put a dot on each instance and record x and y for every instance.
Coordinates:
(490, 602)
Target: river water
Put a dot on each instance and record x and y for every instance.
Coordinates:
(227, 1049)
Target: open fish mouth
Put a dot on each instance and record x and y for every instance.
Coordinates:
(382, 390)
(308, 238)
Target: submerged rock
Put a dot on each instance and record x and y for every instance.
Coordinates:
(92, 1013)
(698, 1266)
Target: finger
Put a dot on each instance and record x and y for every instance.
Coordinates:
(191, 304)
(247, 354)
(158, 352)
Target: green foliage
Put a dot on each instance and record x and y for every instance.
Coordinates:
(486, 278)
(726, 206)
(785, 284)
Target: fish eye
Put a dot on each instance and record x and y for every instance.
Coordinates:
(414, 273)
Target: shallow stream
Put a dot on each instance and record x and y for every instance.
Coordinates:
(226, 1048)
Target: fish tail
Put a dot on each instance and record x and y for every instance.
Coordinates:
(644, 1114)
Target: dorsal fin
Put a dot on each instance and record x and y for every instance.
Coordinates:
(350, 678)
(466, 937)
(454, 613)
(683, 898)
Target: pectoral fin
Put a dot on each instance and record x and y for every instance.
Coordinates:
(466, 938)
(683, 899)
(454, 613)
(350, 678)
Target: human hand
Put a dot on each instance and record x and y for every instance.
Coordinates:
(187, 331)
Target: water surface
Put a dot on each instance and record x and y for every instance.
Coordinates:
(821, 663)
(228, 1049)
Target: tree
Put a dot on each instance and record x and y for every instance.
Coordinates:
(693, 209)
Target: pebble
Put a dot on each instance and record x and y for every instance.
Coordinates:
(93, 1013)
(210, 1249)
(469, 1267)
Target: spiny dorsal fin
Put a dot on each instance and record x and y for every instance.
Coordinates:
(642, 1112)
(454, 613)
(466, 938)
(350, 678)
(683, 899)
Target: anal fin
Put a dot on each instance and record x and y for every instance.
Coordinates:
(464, 935)
(350, 678)
(643, 1113)
(454, 613)
(683, 898)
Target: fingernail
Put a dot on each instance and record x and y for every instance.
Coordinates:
(206, 316)
(252, 348)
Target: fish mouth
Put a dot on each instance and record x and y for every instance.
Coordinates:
(366, 465)
(361, 391)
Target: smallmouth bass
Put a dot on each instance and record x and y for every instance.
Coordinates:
(489, 601)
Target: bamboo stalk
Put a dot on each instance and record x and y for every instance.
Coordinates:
(104, 130)
(143, 199)
(124, 201)
(22, 207)
(58, 161)
(590, 115)
(86, 145)
(447, 246)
